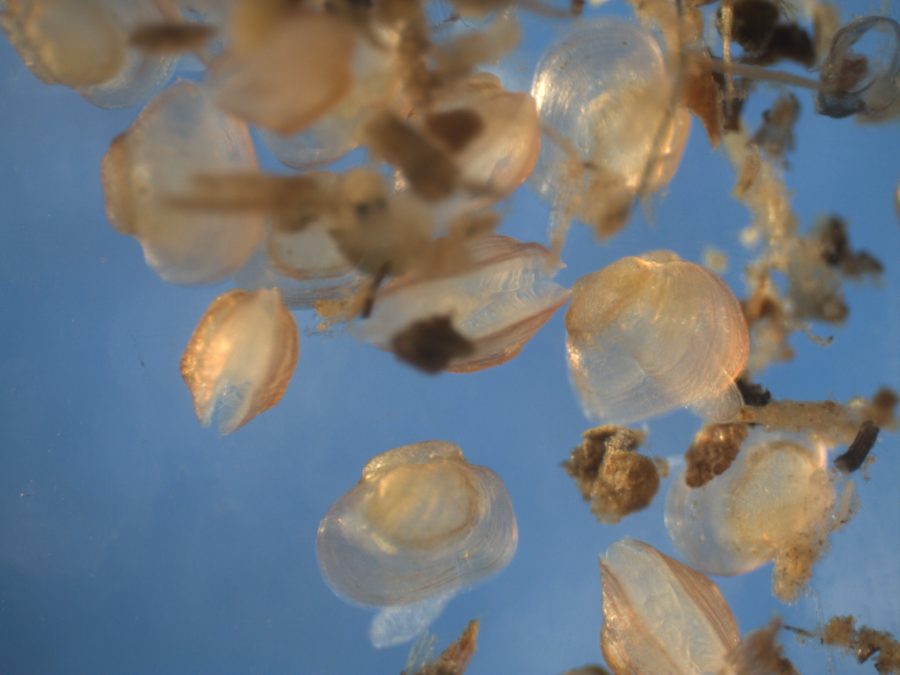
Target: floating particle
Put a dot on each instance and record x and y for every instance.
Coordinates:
(712, 451)
(611, 474)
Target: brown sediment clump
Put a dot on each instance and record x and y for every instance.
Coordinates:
(611, 474)
(454, 660)
(865, 642)
(712, 452)
(759, 653)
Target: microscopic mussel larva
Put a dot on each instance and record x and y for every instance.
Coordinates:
(421, 525)
(775, 502)
(660, 616)
(652, 333)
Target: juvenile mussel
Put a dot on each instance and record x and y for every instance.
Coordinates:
(652, 333)
(421, 525)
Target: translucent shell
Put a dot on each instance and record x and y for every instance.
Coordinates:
(292, 77)
(777, 496)
(240, 358)
(498, 301)
(605, 89)
(374, 83)
(82, 44)
(421, 524)
(865, 82)
(180, 134)
(649, 334)
(660, 616)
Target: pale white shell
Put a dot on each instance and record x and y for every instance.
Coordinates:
(604, 88)
(776, 491)
(180, 134)
(660, 616)
(653, 333)
(498, 301)
(421, 525)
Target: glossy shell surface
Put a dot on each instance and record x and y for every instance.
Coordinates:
(660, 616)
(649, 334)
(604, 87)
(241, 357)
(422, 522)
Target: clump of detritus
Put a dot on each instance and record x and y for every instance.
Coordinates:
(712, 451)
(832, 422)
(611, 474)
(430, 345)
(862, 642)
(454, 660)
(759, 653)
(752, 393)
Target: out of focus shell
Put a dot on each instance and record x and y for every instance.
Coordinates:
(422, 522)
(290, 79)
(180, 134)
(498, 301)
(660, 616)
(241, 357)
(604, 88)
(83, 44)
(653, 333)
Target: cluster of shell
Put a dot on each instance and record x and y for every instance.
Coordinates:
(403, 249)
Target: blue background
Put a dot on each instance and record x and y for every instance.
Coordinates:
(134, 541)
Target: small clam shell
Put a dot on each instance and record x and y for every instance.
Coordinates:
(498, 301)
(241, 357)
(653, 333)
(180, 134)
(375, 82)
(421, 523)
(660, 616)
(604, 88)
(776, 497)
(292, 77)
(82, 44)
(865, 83)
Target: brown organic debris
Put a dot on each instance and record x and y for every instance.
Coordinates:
(610, 474)
(454, 128)
(759, 653)
(703, 97)
(836, 251)
(776, 134)
(753, 394)
(170, 37)
(856, 453)
(430, 171)
(865, 642)
(431, 344)
(455, 659)
(713, 450)
(588, 670)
